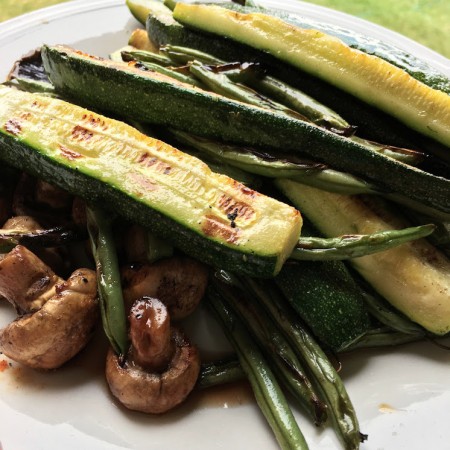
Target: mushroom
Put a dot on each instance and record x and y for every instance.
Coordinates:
(25, 280)
(179, 282)
(161, 367)
(58, 317)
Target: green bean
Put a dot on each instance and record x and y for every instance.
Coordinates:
(354, 246)
(383, 337)
(278, 351)
(323, 374)
(264, 164)
(170, 72)
(222, 85)
(108, 278)
(407, 156)
(30, 85)
(268, 394)
(220, 372)
(145, 56)
(387, 315)
(184, 55)
(296, 100)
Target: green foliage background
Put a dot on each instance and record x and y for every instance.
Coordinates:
(426, 21)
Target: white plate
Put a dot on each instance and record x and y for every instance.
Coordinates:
(401, 395)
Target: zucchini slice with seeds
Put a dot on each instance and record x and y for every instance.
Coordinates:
(210, 216)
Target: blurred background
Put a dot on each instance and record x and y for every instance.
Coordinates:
(426, 21)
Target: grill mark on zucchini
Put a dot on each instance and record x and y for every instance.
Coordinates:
(98, 159)
(165, 101)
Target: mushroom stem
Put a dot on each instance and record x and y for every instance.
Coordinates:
(150, 334)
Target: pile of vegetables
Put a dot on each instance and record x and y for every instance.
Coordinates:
(306, 167)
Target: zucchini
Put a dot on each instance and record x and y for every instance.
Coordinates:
(140, 9)
(372, 123)
(414, 277)
(373, 80)
(327, 298)
(164, 101)
(207, 215)
(417, 68)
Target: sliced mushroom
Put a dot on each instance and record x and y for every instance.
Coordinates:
(50, 336)
(162, 366)
(179, 282)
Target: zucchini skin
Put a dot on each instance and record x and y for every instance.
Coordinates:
(327, 298)
(132, 204)
(372, 123)
(164, 101)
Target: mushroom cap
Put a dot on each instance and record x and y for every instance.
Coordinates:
(179, 282)
(154, 393)
(49, 337)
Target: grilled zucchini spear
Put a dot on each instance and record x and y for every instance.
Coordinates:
(208, 215)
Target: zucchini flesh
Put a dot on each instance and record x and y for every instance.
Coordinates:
(210, 216)
(162, 100)
(414, 277)
(367, 77)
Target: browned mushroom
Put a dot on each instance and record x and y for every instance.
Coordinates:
(25, 281)
(58, 316)
(161, 367)
(179, 282)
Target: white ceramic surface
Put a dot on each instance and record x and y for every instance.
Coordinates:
(402, 395)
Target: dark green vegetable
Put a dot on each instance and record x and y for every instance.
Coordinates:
(220, 372)
(354, 246)
(387, 315)
(414, 277)
(268, 394)
(165, 102)
(383, 337)
(221, 84)
(108, 279)
(327, 298)
(277, 350)
(145, 56)
(322, 372)
(276, 166)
